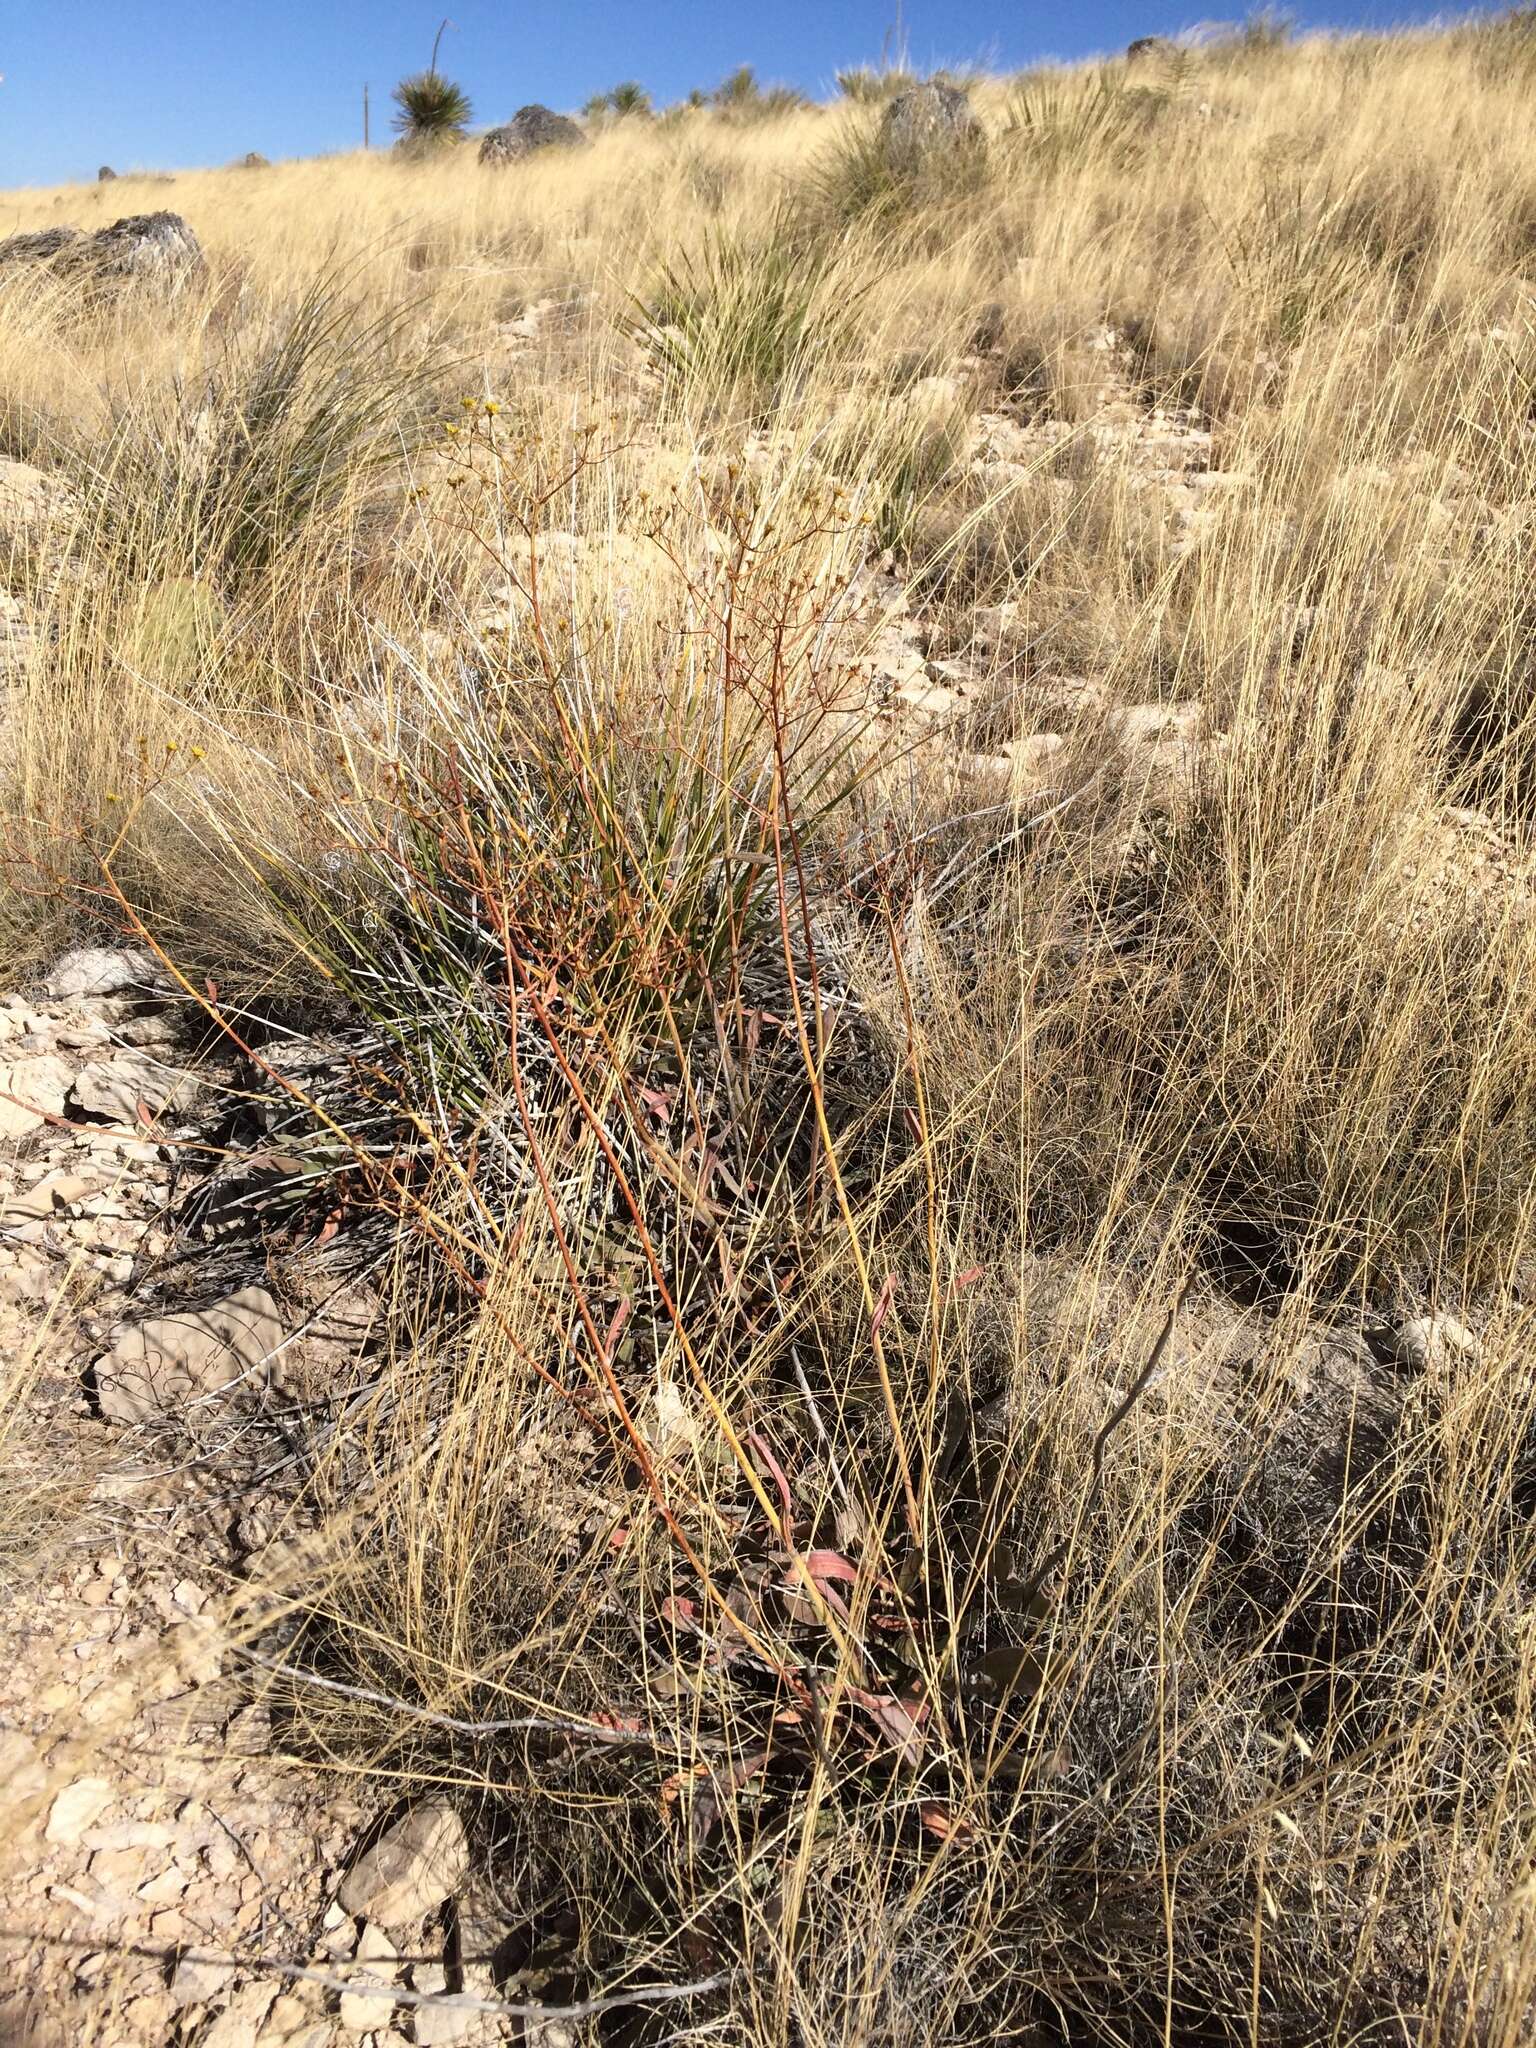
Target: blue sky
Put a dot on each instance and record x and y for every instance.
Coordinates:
(164, 83)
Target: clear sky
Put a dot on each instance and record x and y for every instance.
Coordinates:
(157, 84)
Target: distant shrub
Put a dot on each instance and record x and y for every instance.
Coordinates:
(1295, 256)
(629, 99)
(741, 95)
(1262, 34)
(739, 90)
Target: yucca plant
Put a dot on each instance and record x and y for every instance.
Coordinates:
(271, 438)
(430, 110)
(731, 322)
(871, 87)
(1059, 119)
(1291, 260)
(539, 869)
(737, 91)
(860, 176)
(630, 98)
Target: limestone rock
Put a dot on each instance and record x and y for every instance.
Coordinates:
(239, 2025)
(150, 248)
(530, 128)
(23, 1781)
(78, 1807)
(31, 1090)
(196, 1648)
(148, 2017)
(170, 1361)
(363, 2011)
(115, 1088)
(1425, 1342)
(101, 970)
(30, 499)
(195, 1981)
(414, 1866)
(157, 249)
(439, 2026)
(293, 2024)
(52, 1195)
(550, 2033)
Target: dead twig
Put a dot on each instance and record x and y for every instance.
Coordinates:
(520, 1724)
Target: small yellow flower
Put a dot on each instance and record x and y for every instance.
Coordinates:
(492, 405)
(197, 753)
(113, 797)
(171, 746)
(468, 404)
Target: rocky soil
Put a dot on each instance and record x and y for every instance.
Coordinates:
(165, 1875)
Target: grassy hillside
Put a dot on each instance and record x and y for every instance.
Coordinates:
(899, 793)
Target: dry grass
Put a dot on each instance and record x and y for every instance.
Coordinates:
(788, 1145)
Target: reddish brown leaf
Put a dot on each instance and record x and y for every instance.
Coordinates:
(899, 1721)
(831, 1564)
(883, 1305)
(938, 1820)
(759, 1444)
(615, 1329)
(625, 1724)
(672, 1788)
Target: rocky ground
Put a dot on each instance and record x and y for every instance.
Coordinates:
(164, 1876)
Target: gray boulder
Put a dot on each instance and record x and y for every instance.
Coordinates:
(530, 128)
(1146, 47)
(105, 175)
(156, 249)
(929, 121)
(41, 246)
(253, 160)
(151, 248)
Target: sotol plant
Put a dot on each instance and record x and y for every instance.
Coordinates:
(430, 110)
